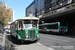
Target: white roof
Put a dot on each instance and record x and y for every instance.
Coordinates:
(28, 18)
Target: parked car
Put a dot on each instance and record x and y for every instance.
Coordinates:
(7, 30)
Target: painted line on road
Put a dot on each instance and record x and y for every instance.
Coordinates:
(50, 48)
(57, 39)
(39, 43)
(46, 46)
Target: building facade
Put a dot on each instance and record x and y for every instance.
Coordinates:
(47, 5)
(3, 4)
(39, 7)
(36, 8)
(12, 15)
(30, 9)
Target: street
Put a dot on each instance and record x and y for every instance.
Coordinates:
(46, 42)
(58, 42)
(28, 45)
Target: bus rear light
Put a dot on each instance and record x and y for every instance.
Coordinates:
(61, 29)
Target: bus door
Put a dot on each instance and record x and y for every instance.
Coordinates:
(21, 32)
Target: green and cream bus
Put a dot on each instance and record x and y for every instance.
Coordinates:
(25, 29)
(56, 27)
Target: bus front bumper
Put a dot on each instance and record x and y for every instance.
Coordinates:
(29, 39)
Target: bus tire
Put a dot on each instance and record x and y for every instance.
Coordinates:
(18, 41)
(63, 33)
(50, 32)
(12, 37)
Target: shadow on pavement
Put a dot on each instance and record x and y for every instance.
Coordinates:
(72, 35)
(15, 41)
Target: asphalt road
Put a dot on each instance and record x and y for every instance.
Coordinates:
(58, 42)
(46, 42)
(28, 45)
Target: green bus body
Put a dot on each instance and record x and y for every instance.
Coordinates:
(25, 29)
(31, 33)
(54, 27)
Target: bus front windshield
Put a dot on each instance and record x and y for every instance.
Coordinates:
(34, 23)
(63, 24)
(27, 24)
(30, 23)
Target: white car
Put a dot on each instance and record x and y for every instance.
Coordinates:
(7, 30)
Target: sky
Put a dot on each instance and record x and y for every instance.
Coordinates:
(19, 7)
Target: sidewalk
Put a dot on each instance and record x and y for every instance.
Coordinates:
(2, 42)
(35, 46)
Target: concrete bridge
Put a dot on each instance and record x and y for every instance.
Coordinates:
(65, 14)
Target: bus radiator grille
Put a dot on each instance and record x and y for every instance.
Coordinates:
(32, 34)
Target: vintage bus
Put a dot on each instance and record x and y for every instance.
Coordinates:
(25, 29)
(56, 27)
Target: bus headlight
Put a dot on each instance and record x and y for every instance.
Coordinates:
(26, 36)
(37, 35)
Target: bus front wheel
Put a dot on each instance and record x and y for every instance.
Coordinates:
(12, 37)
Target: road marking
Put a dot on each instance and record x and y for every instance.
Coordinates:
(46, 46)
(57, 39)
(39, 43)
(50, 48)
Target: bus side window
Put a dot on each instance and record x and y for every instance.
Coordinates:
(20, 24)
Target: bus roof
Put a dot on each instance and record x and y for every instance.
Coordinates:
(27, 18)
(48, 23)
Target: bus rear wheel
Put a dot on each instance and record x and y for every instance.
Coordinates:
(50, 32)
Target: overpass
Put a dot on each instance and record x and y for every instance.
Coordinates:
(65, 14)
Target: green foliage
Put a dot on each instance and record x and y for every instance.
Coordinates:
(5, 15)
(5, 22)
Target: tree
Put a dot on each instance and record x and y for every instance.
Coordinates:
(5, 14)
